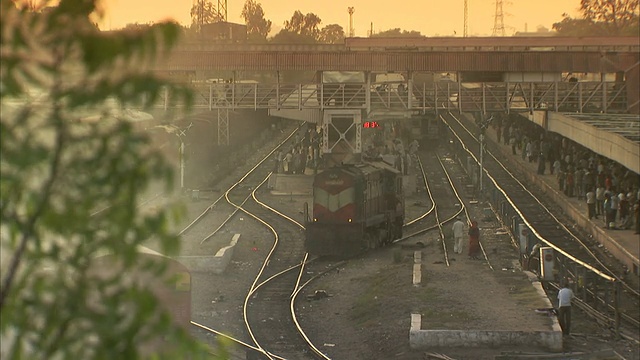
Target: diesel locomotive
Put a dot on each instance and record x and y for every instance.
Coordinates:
(355, 208)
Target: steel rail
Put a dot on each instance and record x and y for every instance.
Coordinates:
(519, 212)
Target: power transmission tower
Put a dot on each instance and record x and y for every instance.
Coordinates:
(498, 20)
(466, 26)
(222, 10)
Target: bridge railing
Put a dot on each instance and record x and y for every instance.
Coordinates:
(581, 97)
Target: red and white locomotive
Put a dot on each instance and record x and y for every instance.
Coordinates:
(355, 208)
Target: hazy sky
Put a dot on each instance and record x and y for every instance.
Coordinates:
(430, 17)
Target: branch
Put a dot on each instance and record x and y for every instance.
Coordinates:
(30, 224)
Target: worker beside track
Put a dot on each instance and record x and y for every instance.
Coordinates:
(458, 235)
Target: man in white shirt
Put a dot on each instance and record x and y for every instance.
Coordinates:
(458, 235)
(591, 204)
(565, 295)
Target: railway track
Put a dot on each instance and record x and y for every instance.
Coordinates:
(270, 303)
(267, 306)
(445, 181)
(198, 234)
(548, 224)
(198, 231)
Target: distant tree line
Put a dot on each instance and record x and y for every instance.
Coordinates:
(598, 18)
(602, 18)
(300, 29)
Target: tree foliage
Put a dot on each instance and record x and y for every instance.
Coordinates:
(305, 25)
(576, 27)
(66, 152)
(203, 12)
(289, 37)
(332, 34)
(258, 28)
(397, 33)
(602, 18)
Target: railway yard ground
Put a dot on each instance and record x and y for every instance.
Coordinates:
(367, 313)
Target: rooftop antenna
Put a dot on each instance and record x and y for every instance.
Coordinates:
(351, 10)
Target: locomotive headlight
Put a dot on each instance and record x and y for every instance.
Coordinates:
(315, 219)
(349, 220)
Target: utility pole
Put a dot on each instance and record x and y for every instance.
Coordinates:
(466, 13)
(351, 10)
(483, 127)
(181, 134)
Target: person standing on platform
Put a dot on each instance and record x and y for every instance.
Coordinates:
(541, 166)
(279, 157)
(458, 234)
(588, 180)
(562, 181)
(474, 241)
(513, 143)
(565, 295)
(615, 203)
(578, 179)
(287, 162)
(557, 167)
(623, 209)
(607, 209)
(569, 182)
(600, 201)
(591, 204)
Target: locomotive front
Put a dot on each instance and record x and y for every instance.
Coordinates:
(336, 227)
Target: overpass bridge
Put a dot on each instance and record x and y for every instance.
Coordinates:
(504, 74)
(472, 59)
(499, 54)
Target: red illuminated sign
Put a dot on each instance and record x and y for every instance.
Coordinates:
(370, 124)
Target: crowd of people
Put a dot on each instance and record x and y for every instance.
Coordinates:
(389, 146)
(610, 190)
(304, 151)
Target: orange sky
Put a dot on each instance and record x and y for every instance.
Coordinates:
(430, 17)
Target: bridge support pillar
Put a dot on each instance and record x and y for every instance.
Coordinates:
(223, 126)
(342, 136)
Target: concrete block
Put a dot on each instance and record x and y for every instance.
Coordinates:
(425, 339)
(417, 274)
(211, 263)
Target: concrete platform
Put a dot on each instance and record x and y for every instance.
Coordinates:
(287, 184)
(427, 333)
